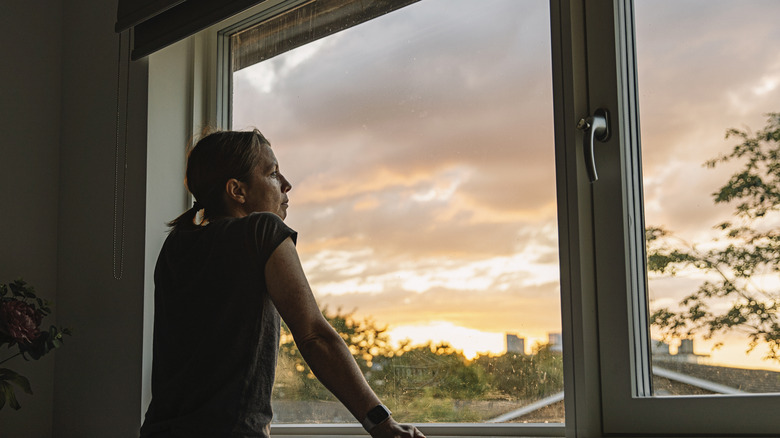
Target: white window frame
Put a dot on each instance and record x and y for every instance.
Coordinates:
(620, 268)
(606, 370)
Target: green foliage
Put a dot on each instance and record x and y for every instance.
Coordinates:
(423, 383)
(47, 341)
(748, 248)
(7, 395)
(433, 371)
(429, 409)
(518, 376)
(756, 187)
(296, 381)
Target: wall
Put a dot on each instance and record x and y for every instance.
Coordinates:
(58, 186)
(97, 390)
(30, 90)
(171, 93)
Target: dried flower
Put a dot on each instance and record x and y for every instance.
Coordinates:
(20, 321)
(21, 314)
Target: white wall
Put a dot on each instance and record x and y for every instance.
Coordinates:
(30, 92)
(171, 93)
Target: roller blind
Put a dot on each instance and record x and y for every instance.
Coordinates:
(159, 23)
(131, 12)
(303, 24)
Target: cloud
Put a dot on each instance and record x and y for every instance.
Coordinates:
(338, 272)
(700, 63)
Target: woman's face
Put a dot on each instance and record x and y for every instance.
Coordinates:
(267, 188)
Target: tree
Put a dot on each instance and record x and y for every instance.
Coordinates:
(524, 377)
(749, 248)
(421, 383)
(366, 341)
(430, 370)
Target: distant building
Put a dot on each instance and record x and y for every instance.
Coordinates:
(515, 344)
(660, 348)
(685, 353)
(686, 347)
(555, 341)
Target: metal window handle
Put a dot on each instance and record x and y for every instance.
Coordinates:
(596, 127)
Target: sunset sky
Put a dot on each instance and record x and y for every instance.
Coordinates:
(420, 149)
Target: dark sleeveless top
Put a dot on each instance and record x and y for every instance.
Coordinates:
(216, 331)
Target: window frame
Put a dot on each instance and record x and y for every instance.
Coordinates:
(624, 339)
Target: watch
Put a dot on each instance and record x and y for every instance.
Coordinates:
(377, 415)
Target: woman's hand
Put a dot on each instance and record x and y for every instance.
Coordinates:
(392, 429)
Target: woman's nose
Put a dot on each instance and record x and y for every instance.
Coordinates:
(286, 186)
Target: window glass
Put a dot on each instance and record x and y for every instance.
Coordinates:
(420, 149)
(709, 81)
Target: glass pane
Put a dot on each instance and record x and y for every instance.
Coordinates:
(709, 77)
(420, 149)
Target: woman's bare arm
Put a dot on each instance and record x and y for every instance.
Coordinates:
(319, 344)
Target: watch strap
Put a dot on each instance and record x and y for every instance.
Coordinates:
(376, 416)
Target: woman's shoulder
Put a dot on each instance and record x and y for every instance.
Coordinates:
(258, 224)
(264, 216)
(251, 219)
(261, 219)
(261, 224)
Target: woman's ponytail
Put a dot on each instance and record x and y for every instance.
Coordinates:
(186, 220)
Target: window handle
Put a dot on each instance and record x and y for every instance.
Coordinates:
(596, 127)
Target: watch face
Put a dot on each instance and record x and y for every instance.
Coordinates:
(378, 414)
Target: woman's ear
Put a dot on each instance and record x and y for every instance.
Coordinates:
(235, 190)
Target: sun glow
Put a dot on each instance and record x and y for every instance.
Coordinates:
(471, 342)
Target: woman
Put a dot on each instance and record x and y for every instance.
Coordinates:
(221, 285)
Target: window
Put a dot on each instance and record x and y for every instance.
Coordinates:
(603, 57)
(626, 373)
(420, 146)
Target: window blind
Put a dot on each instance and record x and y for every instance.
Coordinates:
(303, 24)
(159, 23)
(131, 12)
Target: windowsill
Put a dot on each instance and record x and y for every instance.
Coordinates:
(429, 429)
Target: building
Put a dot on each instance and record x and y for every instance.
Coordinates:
(555, 341)
(685, 353)
(515, 344)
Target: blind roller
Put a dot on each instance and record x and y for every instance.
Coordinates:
(303, 24)
(159, 23)
(131, 12)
